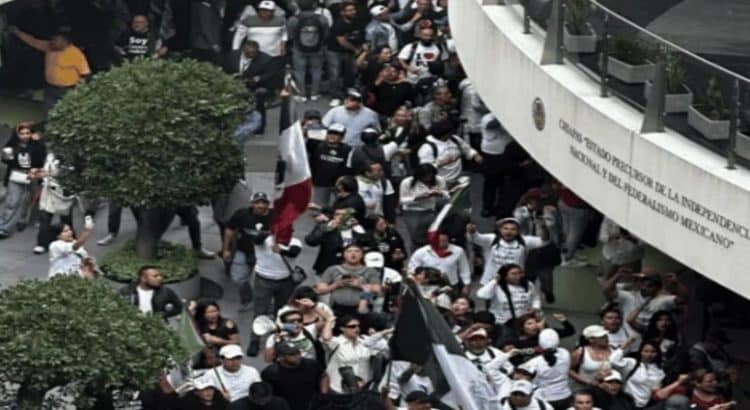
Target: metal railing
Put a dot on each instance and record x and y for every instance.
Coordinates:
(554, 52)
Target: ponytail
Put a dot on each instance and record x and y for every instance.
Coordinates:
(550, 356)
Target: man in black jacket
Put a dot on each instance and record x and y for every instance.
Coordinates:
(261, 398)
(150, 296)
(260, 72)
(328, 163)
(294, 378)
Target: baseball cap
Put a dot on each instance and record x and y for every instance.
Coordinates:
(594, 331)
(478, 333)
(353, 93)
(203, 382)
(287, 349)
(548, 339)
(378, 10)
(260, 196)
(503, 221)
(337, 128)
(231, 351)
(613, 376)
(312, 114)
(374, 260)
(267, 5)
(522, 386)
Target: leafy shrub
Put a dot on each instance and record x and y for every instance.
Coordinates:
(577, 15)
(629, 51)
(70, 330)
(676, 74)
(712, 104)
(177, 262)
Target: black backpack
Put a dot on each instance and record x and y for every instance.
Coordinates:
(310, 33)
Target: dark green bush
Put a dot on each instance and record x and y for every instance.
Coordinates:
(176, 262)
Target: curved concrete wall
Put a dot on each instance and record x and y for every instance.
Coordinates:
(667, 190)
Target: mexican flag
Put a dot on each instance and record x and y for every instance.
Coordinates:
(423, 337)
(433, 232)
(293, 177)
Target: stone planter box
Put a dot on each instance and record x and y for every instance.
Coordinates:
(579, 43)
(711, 129)
(630, 74)
(743, 144)
(189, 289)
(673, 103)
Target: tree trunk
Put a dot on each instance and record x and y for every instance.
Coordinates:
(29, 398)
(149, 232)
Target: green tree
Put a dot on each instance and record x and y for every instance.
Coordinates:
(153, 135)
(71, 330)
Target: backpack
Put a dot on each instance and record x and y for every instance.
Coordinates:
(310, 33)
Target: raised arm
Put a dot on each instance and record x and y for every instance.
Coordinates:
(29, 40)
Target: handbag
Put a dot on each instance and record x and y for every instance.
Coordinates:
(19, 177)
(297, 273)
(54, 200)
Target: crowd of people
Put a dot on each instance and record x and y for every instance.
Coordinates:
(404, 127)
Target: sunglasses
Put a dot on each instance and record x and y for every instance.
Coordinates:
(352, 326)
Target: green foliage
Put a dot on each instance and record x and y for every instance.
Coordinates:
(151, 133)
(577, 15)
(676, 74)
(73, 330)
(629, 51)
(176, 262)
(712, 104)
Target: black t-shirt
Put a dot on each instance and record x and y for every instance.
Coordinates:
(388, 97)
(135, 44)
(353, 31)
(247, 226)
(296, 385)
(329, 163)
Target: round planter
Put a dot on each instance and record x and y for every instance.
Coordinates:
(189, 289)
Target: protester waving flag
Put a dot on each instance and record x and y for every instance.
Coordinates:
(423, 337)
(433, 232)
(293, 177)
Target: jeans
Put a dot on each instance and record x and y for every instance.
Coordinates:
(323, 195)
(240, 270)
(17, 203)
(574, 222)
(341, 72)
(302, 61)
(53, 94)
(270, 296)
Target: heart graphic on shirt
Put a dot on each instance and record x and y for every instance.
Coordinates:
(428, 56)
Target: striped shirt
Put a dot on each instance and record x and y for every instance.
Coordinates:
(269, 34)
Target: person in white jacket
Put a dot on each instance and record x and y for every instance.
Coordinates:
(511, 295)
(550, 370)
(67, 255)
(505, 245)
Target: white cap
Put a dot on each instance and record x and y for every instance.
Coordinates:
(203, 382)
(479, 332)
(594, 331)
(522, 386)
(267, 5)
(337, 128)
(231, 351)
(378, 10)
(614, 375)
(548, 339)
(374, 260)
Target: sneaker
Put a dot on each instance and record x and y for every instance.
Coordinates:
(315, 97)
(106, 240)
(335, 102)
(38, 250)
(253, 348)
(204, 254)
(300, 98)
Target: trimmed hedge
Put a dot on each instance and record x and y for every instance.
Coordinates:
(176, 262)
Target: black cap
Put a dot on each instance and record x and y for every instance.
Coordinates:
(287, 349)
(417, 396)
(260, 196)
(485, 317)
(312, 114)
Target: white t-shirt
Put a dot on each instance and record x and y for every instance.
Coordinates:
(355, 354)
(372, 194)
(497, 254)
(448, 149)
(642, 382)
(455, 266)
(144, 299)
(421, 58)
(630, 300)
(237, 383)
(494, 141)
(269, 264)
(523, 300)
(305, 345)
(64, 260)
(552, 381)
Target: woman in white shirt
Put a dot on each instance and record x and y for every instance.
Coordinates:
(419, 196)
(67, 255)
(511, 295)
(644, 375)
(550, 371)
